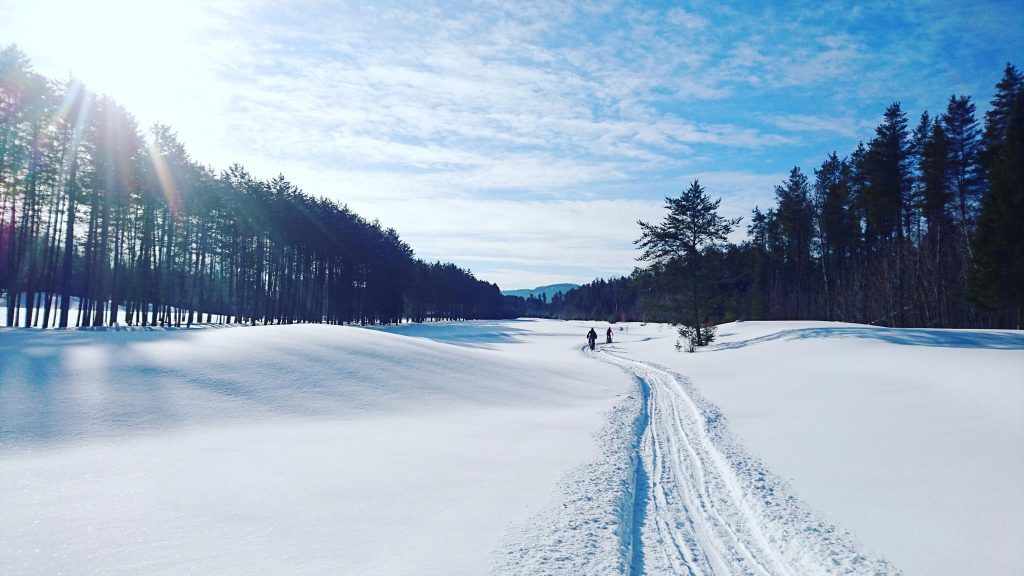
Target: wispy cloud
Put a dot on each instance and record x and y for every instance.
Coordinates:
(480, 93)
(521, 135)
(843, 125)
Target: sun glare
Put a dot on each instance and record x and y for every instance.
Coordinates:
(142, 53)
(110, 43)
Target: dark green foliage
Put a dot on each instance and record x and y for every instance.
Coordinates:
(963, 142)
(679, 247)
(691, 226)
(795, 220)
(885, 170)
(997, 280)
(838, 232)
(997, 119)
(695, 336)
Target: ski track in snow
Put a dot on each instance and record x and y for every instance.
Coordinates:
(675, 492)
(589, 530)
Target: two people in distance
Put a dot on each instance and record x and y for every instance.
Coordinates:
(592, 337)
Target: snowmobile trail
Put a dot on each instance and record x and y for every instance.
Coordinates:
(703, 505)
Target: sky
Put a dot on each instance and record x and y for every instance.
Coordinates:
(522, 140)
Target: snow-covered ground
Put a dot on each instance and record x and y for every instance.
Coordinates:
(506, 448)
(911, 439)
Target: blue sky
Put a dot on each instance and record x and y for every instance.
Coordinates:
(522, 140)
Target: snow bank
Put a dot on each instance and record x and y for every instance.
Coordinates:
(285, 449)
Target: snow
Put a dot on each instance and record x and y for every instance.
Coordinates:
(281, 449)
(911, 439)
(506, 448)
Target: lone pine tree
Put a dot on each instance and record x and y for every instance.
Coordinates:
(691, 228)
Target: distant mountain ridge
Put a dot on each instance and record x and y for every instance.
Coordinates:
(549, 291)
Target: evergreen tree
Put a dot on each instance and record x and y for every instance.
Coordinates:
(758, 232)
(691, 228)
(998, 276)
(887, 177)
(837, 228)
(963, 143)
(795, 217)
(997, 119)
(940, 264)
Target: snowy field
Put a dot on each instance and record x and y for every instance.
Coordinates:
(506, 448)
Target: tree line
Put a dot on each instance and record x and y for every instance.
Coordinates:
(136, 232)
(919, 226)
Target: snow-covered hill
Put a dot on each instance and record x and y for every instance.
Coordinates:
(506, 447)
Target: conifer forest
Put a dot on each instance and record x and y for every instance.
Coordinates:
(920, 225)
(91, 210)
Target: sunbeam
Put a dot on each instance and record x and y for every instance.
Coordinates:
(164, 177)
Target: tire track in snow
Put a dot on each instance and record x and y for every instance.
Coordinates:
(708, 506)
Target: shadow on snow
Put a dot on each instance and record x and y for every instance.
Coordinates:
(468, 334)
(939, 338)
(57, 385)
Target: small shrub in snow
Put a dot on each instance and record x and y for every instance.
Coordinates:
(690, 335)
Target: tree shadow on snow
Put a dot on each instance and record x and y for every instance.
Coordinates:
(469, 334)
(939, 338)
(53, 382)
(59, 385)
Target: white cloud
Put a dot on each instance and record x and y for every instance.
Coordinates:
(843, 125)
(683, 19)
(563, 240)
(532, 134)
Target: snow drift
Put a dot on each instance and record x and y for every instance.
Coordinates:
(505, 447)
(282, 449)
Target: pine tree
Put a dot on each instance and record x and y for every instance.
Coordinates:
(691, 228)
(837, 228)
(795, 217)
(998, 276)
(887, 176)
(963, 137)
(758, 232)
(998, 117)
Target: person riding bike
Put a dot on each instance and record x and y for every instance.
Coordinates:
(608, 335)
(592, 338)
